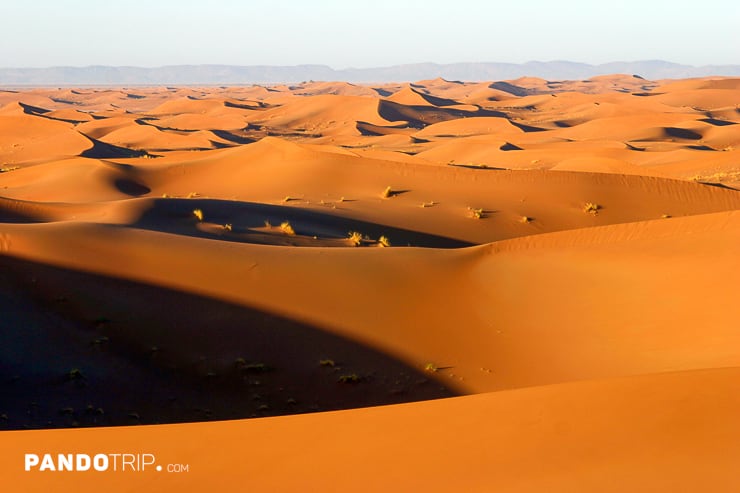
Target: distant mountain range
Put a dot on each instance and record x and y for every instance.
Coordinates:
(265, 74)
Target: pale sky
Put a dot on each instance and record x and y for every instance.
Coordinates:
(369, 33)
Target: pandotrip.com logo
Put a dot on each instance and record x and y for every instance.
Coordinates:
(112, 462)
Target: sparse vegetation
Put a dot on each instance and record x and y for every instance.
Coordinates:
(355, 238)
(719, 177)
(75, 374)
(193, 195)
(228, 227)
(387, 193)
(525, 219)
(327, 362)
(198, 214)
(350, 378)
(476, 213)
(431, 367)
(591, 208)
(383, 241)
(286, 228)
(9, 168)
(268, 224)
(431, 203)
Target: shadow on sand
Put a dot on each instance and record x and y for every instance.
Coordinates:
(81, 349)
(176, 216)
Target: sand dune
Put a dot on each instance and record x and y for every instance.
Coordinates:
(556, 258)
(634, 434)
(30, 137)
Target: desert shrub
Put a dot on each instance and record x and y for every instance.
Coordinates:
(591, 208)
(355, 238)
(350, 378)
(476, 213)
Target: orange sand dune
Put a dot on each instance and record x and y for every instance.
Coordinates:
(149, 137)
(27, 137)
(32, 98)
(318, 114)
(412, 97)
(498, 336)
(702, 100)
(517, 285)
(470, 126)
(103, 126)
(334, 88)
(201, 122)
(667, 432)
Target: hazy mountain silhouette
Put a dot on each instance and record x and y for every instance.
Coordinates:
(264, 74)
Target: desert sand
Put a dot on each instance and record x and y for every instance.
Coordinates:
(519, 285)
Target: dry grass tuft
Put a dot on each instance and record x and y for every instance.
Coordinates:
(198, 214)
(355, 238)
(591, 208)
(476, 213)
(383, 241)
(287, 228)
(351, 378)
(387, 193)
